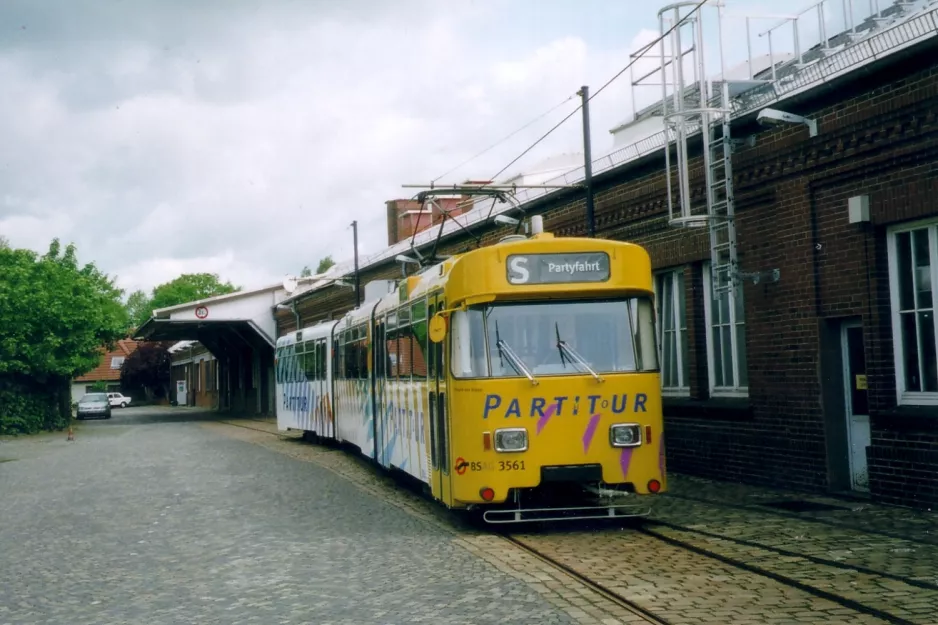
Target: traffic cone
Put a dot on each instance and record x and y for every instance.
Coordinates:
(71, 434)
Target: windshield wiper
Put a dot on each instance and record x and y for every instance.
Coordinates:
(574, 356)
(563, 361)
(517, 364)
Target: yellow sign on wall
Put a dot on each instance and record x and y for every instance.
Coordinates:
(861, 382)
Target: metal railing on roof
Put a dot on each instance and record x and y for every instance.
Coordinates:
(799, 74)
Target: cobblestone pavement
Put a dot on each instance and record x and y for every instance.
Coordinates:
(712, 553)
(149, 518)
(715, 553)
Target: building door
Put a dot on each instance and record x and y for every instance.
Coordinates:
(856, 403)
(181, 392)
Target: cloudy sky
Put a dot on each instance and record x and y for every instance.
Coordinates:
(243, 136)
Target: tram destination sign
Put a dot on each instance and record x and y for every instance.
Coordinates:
(558, 268)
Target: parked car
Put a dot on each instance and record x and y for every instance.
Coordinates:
(117, 399)
(94, 405)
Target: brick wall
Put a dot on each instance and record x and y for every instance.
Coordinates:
(878, 137)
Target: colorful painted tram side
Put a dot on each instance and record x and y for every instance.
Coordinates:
(519, 380)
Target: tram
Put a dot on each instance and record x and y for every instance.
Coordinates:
(519, 380)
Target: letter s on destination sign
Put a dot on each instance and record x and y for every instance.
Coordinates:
(520, 272)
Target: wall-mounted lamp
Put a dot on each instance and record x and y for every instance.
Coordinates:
(772, 117)
(505, 220)
(858, 208)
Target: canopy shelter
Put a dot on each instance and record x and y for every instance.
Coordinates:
(238, 329)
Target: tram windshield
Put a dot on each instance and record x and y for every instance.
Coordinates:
(554, 338)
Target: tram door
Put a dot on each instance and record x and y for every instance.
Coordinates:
(379, 382)
(439, 415)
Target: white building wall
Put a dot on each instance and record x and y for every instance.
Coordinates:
(255, 307)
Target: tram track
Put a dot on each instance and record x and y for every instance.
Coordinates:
(631, 606)
(781, 578)
(809, 519)
(646, 610)
(859, 568)
(736, 563)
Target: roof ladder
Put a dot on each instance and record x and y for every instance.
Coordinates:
(720, 208)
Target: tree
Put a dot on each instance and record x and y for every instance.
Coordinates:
(148, 368)
(55, 316)
(4, 243)
(186, 288)
(307, 272)
(138, 308)
(324, 264)
(190, 287)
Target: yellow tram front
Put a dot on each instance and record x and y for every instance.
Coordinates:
(551, 381)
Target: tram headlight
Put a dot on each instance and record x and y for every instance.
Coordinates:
(625, 435)
(511, 439)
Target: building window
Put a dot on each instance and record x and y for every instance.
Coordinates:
(726, 340)
(672, 332)
(116, 362)
(912, 252)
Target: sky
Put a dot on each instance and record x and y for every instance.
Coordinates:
(242, 137)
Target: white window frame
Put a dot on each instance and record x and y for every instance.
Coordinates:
(734, 389)
(920, 398)
(680, 334)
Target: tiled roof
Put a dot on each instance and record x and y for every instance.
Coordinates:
(104, 371)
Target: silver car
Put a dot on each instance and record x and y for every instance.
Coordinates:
(94, 405)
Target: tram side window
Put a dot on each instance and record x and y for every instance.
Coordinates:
(340, 371)
(309, 360)
(405, 359)
(431, 347)
(379, 349)
(468, 345)
(321, 359)
(642, 321)
(351, 358)
(420, 340)
(390, 342)
(405, 344)
(362, 352)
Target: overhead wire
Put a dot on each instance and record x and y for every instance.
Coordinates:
(509, 136)
(635, 58)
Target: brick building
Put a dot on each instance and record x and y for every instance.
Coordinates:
(108, 370)
(194, 375)
(826, 379)
(408, 217)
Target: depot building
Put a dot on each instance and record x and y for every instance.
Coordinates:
(818, 371)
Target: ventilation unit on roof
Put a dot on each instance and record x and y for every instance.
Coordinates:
(512, 238)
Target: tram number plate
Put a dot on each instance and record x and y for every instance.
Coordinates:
(558, 268)
(463, 466)
(511, 465)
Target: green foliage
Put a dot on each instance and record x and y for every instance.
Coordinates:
(148, 368)
(307, 272)
(54, 317)
(188, 287)
(27, 407)
(138, 308)
(324, 264)
(99, 387)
